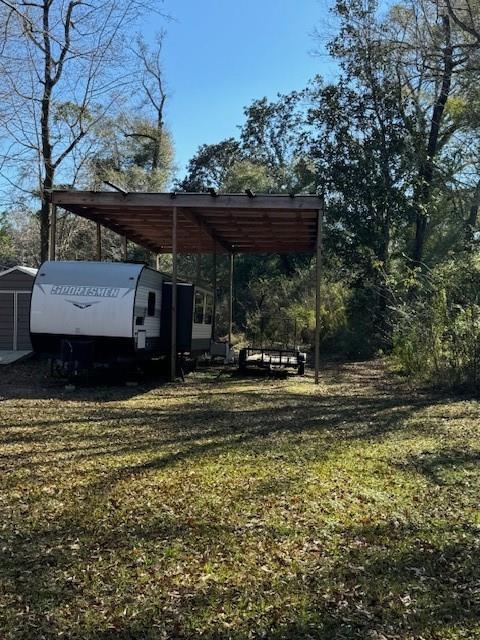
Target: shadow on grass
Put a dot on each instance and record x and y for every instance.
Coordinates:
(392, 593)
(32, 380)
(193, 430)
(434, 464)
(408, 589)
(386, 579)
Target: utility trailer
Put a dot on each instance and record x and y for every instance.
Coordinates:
(272, 359)
(93, 315)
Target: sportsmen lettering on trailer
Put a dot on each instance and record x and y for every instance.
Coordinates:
(99, 292)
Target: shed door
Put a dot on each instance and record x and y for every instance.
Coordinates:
(7, 324)
(23, 321)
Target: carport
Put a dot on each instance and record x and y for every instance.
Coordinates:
(200, 223)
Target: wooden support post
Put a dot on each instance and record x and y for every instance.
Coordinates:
(230, 302)
(125, 248)
(214, 309)
(52, 245)
(158, 262)
(318, 273)
(173, 354)
(99, 242)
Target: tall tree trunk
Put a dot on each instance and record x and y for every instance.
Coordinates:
(44, 215)
(47, 182)
(473, 217)
(426, 172)
(157, 145)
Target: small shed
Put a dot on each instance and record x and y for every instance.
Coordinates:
(15, 290)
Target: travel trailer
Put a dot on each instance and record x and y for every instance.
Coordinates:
(98, 314)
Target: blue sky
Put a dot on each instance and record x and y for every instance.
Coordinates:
(222, 54)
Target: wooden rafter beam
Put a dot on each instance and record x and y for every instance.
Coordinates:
(207, 228)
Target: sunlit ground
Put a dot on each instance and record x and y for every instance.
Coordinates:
(230, 507)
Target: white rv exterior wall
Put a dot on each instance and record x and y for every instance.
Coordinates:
(149, 280)
(201, 331)
(84, 298)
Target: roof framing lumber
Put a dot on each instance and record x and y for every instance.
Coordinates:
(214, 235)
(195, 200)
(206, 224)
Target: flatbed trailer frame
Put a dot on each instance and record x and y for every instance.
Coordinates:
(271, 359)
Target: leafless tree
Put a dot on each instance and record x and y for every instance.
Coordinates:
(153, 86)
(62, 69)
(466, 15)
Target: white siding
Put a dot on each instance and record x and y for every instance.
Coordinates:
(150, 280)
(201, 331)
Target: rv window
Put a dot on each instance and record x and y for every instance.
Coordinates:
(139, 321)
(198, 312)
(207, 319)
(151, 303)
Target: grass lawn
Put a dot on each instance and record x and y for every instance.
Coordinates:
(238, 508)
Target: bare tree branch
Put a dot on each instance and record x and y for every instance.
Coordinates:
(62, 69)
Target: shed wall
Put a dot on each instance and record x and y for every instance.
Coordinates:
(23, 321)
(15, 292)
(6, 321)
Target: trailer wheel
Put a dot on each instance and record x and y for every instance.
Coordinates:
(301, 369)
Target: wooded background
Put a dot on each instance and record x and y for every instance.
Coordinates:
(392, 143)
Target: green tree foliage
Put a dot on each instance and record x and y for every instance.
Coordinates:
(361, 150)
(267, 157)
(134, 155)
(211, 166)
(271, 138)
(429, 62)
(437, 332)
(393, 144)
(269, 290)
(7, 249)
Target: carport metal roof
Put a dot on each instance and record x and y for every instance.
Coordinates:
(206, 222)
